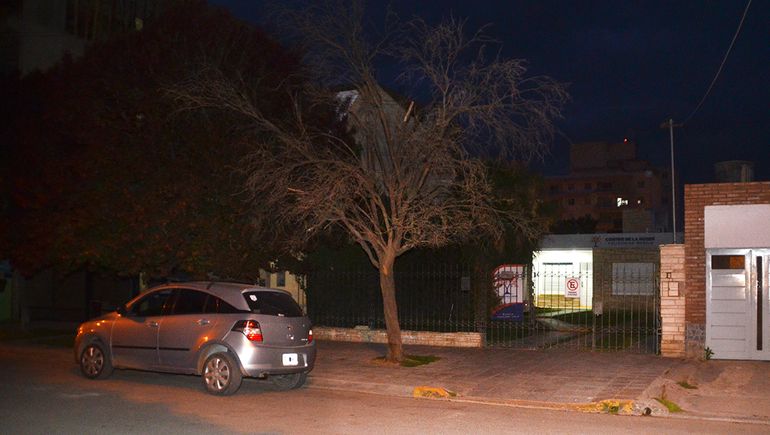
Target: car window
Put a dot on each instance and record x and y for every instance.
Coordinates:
(217, 305)
(272, 303)
(151, 305)
(190, 301)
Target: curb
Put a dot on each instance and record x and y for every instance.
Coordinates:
(743, 420)
(382, 389)
(625, 407)
(440, 393)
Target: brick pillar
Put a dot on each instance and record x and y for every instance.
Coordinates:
(672, 300)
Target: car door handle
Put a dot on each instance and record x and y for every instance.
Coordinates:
(152, 324)
(203, 322)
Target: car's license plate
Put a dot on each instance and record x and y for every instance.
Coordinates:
(290, 359)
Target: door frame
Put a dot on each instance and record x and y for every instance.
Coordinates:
(753, 302)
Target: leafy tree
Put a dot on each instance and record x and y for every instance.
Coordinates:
(105, 172)
(405, 174)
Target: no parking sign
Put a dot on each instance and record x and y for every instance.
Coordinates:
(572, 288)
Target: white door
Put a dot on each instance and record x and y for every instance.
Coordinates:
(738, 303)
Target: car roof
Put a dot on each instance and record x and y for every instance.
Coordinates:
(230, 292)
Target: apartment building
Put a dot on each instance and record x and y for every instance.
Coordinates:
(608, 183)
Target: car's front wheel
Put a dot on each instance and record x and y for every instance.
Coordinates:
(94, 362)
(288, 382)
(221, 374)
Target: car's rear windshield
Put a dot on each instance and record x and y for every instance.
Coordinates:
(272, 303)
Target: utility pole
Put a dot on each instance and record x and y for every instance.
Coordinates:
(670, 125)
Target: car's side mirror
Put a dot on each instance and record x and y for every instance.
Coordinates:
(122, 310)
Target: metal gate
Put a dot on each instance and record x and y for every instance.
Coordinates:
(607, 306)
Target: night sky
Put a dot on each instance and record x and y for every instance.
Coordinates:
(630, 66)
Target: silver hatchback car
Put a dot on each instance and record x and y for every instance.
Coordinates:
(221, 331)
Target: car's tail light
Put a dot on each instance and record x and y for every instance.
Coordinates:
(249, 328)
(310, 336)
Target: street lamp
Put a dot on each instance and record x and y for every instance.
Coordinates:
(670, 125)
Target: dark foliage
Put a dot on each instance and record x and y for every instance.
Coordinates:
(102, 171)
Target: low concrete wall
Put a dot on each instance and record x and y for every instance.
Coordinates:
(425, 338)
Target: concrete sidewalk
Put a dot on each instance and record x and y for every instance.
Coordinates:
(556, 379)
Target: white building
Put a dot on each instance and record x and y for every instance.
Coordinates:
(562, 269)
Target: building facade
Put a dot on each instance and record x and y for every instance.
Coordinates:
(609, 184)
(715, 288)
(727, 245)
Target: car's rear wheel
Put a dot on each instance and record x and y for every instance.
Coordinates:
(288, 382)
(221, 374)
(94, 362)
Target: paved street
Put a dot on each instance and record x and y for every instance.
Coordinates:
(41, 391)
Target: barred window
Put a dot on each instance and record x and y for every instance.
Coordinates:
(633, 279)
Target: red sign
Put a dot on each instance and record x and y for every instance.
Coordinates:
(572, 288)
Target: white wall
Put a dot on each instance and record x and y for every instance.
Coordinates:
(737, 226)
(551, 279)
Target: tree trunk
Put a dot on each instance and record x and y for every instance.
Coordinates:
(390, 309)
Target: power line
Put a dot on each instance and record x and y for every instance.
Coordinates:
(724, 59)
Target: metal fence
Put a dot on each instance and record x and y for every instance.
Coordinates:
(431, 298)
(613, 306)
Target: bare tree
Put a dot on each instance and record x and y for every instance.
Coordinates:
(404, 172)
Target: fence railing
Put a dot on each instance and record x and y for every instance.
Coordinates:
(600, 306)
(436, 298)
